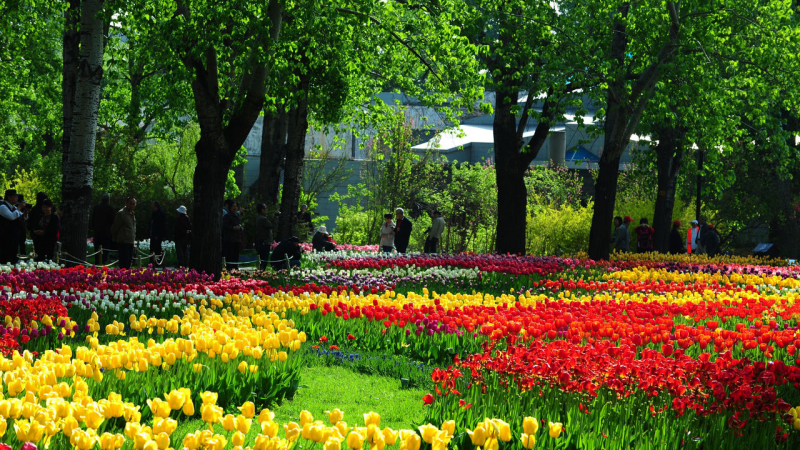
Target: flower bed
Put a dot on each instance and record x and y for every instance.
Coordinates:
(566, 353)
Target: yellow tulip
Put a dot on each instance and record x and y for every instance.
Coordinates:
(332, 444)
(209, 397)
(503, 430)
(305, 417)
(175, 399)
(491, 444)
(210, 413)
(413, 442)
(242, 367)
(229, 422)
(530, 425)
(795, 425)
(93, 419)
(188, 407)
(131, 429)
(269, 429)
(110, 441)
(428, 432)
(3, 426)
(389, 435)
(266, 416)
(162, 440)
(335, 416)
(441, 440)
(292, 431)
(449, 427)
(555, 429)
(150, 445)
(377, 442)
(528, 440)
(82, 440)
(237, 439)
(355, 441)
(478, 437)
(243, 424)
(342, 427)
(372, 418)
(248, 409)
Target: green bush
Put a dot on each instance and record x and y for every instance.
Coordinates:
(555, 231)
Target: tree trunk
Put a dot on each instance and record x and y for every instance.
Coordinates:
(71, 54)
(210, 177)
(511, 165)
(604, 199)
(78, 169)
(669, 157)
(295, 156)
(273, 154)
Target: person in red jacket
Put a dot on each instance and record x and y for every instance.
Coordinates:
(644, 236)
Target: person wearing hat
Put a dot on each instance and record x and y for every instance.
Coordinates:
(622, 237)
(675, 240)
(45, 233)
(435, 233)
(702, 232)
(10, 226)
(321, 241)
(102, 220)
(402, 231)
(287, 254)
(183, 234)
(691, 237)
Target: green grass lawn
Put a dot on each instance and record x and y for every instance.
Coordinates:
(326, 388)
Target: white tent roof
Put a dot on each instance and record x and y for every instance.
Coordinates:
(465, 135)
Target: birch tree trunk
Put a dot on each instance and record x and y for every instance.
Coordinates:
(78, 162)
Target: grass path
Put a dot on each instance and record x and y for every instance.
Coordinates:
(326, 388)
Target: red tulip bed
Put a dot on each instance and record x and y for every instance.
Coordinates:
(648, 353)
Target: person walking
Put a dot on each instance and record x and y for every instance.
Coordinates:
(158, 228)
(402, 231)
(183, 234)
(321, 241)
(387, 233)
(232, 236)
(45, 233)
(264, 233)
(102, 220)
(675, 239)
(123, 232)
(435, 233)
(287, 254)
(622, 238)
(644, 236)
(691, 238)
(11, 211)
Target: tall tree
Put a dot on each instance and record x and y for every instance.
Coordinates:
(78, 162)
(525, 55)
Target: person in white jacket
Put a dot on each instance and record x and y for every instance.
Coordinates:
(387, 233)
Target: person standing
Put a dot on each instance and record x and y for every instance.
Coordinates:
(183, 234)
(23, 224)
(123, 232)
(701, 236)
(675, 240)
(231, 236)
(287, 254)
(34, 215)
(644, 236)
(10, 226)
(45, 233)
(102, 220)
(622, 238)
(402, 232)
(691, 238)
(158, 228)
(435, 233)
(711, 241)
(387, 233)
(264, 232)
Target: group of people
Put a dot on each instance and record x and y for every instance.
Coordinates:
(701, 238)
(116, 230)
(19, 219)
(397, 235)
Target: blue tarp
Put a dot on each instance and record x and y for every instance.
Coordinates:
(580, 154)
